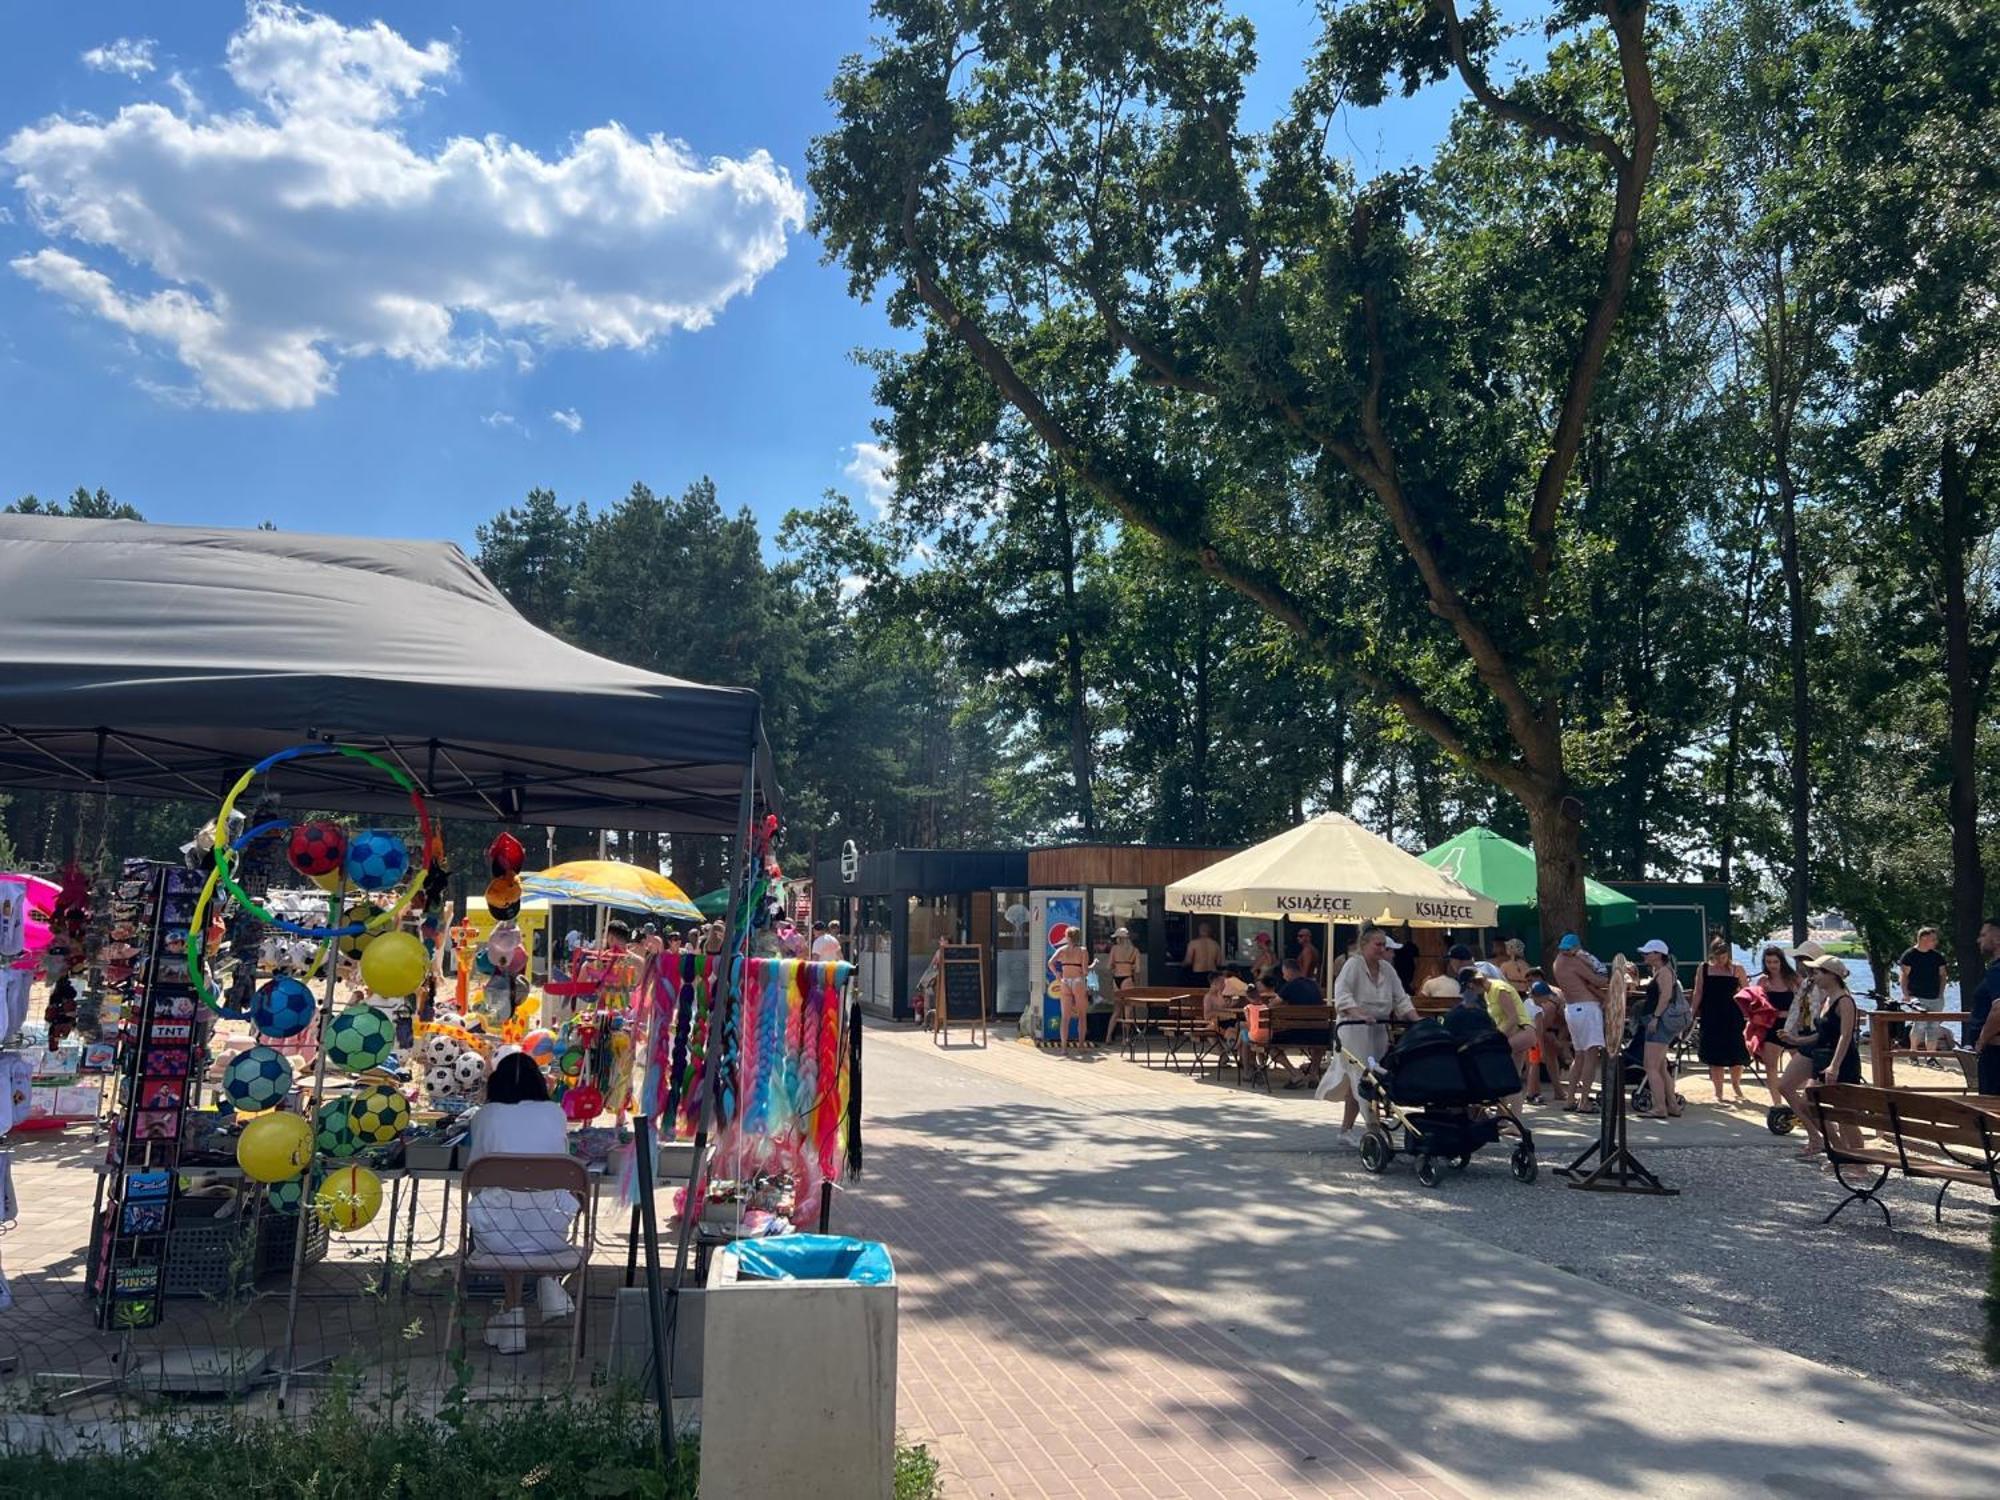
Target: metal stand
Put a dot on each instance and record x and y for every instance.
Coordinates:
(1617, 1169)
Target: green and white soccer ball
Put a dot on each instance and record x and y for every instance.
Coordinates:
(359, 1038)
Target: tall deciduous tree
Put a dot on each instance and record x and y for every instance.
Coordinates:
(1063, 195)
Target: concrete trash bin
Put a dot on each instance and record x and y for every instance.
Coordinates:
(798, 1384)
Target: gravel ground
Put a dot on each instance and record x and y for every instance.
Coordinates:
(1743, 1247)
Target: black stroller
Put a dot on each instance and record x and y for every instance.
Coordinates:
(1439, 1092)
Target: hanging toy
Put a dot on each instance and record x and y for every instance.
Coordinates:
(316, 849)
(505, 855)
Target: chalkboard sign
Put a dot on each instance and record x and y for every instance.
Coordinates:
(961, 989)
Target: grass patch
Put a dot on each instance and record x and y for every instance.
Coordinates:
(602, 1449)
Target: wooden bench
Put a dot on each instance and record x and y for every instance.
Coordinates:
(1883, 1052)
(1186, 1032)
(1924, 1136)
(1317, 1019)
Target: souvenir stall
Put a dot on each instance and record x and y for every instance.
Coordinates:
(390, 683)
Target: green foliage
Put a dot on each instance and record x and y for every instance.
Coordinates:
(606, 1448)
(86, 505)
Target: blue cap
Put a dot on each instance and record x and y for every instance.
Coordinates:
(1569, 940)
(1540, 988)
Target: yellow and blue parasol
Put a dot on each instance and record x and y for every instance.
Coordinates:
(609, 882)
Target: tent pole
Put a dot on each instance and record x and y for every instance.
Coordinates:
(705, 1108)
(337, 906)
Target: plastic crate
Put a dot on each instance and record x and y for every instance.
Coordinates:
(203, 1251)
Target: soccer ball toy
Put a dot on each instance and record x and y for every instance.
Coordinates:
(442, 1082)
(359, 1038)
(440, 1048)
(316, 849)
(376, 861)
(257, 1080)
(469, 1071)
(334, 1135)
(378, 1115)
(285, 1197)
(284, 1008)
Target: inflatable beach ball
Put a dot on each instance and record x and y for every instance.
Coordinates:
(257, 1080)
(378, 1116)
(316, 849)
(376, 861)
(349, 1198)
(394, 964)
(274, 1148)
(283, 1008)
(359, 1038)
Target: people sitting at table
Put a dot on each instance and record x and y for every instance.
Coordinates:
(1369, 990)
(1221, 1006)
(519, 1119)
(1295, 988)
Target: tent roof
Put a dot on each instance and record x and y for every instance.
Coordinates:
(1330, 869)
(163, 661)
(1498, 867)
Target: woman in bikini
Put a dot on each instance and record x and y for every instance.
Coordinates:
(1124, 974)
(1073, 991)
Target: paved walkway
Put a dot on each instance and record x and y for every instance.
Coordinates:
(1118, 1281)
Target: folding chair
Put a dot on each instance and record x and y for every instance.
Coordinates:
(529, 1174)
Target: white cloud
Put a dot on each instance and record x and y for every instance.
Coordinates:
(568, 420)
(191, 104)
(499, 419)
(873, 470)
(131, 56)
(263, 248)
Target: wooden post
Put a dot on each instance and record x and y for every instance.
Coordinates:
(1881, 1060)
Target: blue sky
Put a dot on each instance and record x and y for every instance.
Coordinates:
(709, 339)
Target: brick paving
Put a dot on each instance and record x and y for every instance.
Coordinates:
(1033, 1365)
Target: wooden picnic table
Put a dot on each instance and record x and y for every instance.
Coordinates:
(1882, 1051)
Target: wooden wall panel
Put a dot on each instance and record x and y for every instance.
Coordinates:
(1139, 865)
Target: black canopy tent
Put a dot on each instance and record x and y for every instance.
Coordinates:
(160, 661)
(163, 661)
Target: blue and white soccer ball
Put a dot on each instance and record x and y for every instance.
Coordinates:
(376, 861)
(257, 1080)
(284, 1008)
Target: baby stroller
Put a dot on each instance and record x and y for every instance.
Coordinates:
(1437, 1096)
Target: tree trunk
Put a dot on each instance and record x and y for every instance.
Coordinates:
(1733, 743)
(1557, 837)
(1795, 602)
(1079, 719)
(1968, 886)
(1340, 749)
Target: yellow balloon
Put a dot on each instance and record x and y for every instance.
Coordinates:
(349, 1198)
(275, 1147)
(327, 881)
(394, 964)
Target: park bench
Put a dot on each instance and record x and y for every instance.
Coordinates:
(1317, 1019)
(1923, 1136)
(1185, 1032)
(1883, 1052)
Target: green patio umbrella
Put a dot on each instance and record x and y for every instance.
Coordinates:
(1504, 872)
(714, 904)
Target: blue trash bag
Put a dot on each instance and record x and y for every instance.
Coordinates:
(816, 1257)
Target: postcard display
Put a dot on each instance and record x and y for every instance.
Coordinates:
(158, 1073)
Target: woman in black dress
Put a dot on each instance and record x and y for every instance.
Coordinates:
(1719, 1042)
(1830, 1052)
(1780, 983)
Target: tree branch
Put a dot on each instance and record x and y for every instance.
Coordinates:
(1263, 588)
(1628, 25)
(1564, 132)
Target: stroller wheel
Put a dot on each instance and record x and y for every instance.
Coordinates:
(1780, 1120)
(1427, 1171)
(1523, 1163)
(1376, 1149)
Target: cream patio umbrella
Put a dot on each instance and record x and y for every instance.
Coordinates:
(1331, 869)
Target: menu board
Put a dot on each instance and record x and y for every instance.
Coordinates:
(961, 988)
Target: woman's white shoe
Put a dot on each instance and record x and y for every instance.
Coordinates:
(507, 1332)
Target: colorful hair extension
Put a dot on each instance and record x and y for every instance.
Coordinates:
(826, 1107)
(677, 1065)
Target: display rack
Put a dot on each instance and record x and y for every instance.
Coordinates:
(158, 1045)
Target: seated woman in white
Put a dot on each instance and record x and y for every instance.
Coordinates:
(519, 1119)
